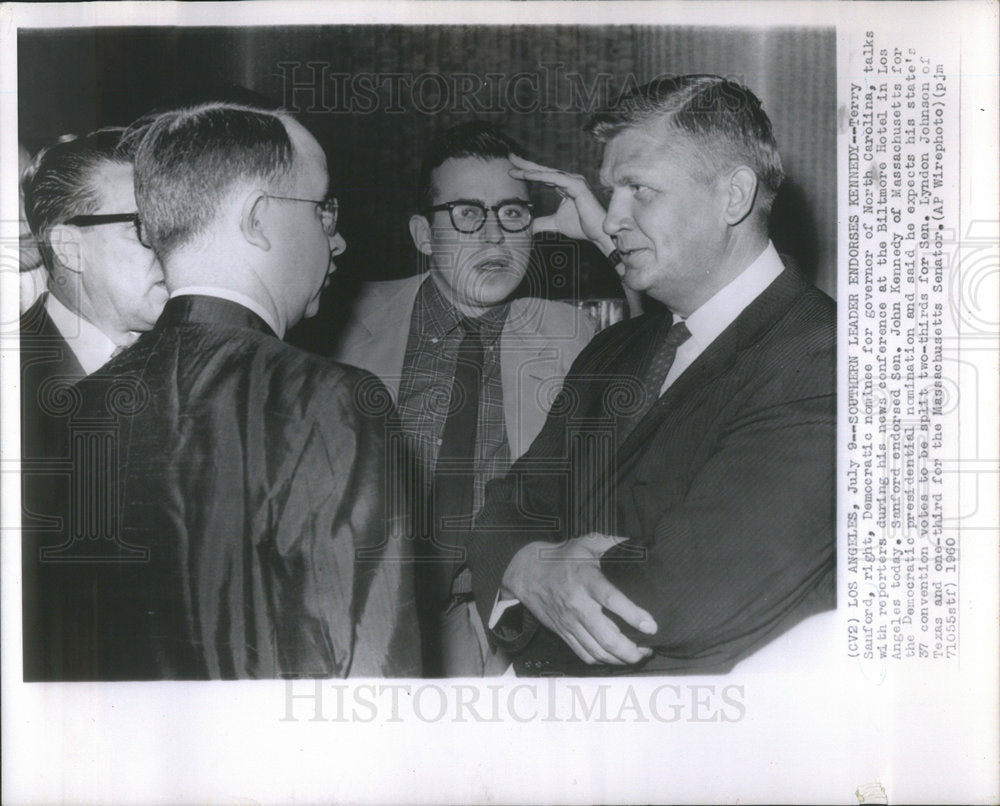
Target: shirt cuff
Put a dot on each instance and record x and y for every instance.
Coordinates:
(500, 606)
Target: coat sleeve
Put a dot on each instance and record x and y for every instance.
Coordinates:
(751, 542)
(531, 503)
(343, 586)
(534, 501)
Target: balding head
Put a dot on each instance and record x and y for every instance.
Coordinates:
(234, 197)
(188, 160)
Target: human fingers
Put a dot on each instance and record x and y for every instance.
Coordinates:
(579, 613)
(594, 648)
(567, 184)
(613, 642)
(520, 163)
(545, 223)
(563, 622)
(618, 603)
(578, 649)
(579, 635)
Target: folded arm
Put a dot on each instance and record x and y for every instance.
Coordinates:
(750, 540)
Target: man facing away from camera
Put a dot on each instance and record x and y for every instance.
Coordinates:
(472, 371)
(676, 512)
(104, 288)
(254, 539)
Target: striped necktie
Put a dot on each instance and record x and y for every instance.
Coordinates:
(669, 339)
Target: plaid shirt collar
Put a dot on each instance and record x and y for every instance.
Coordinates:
(438, 317)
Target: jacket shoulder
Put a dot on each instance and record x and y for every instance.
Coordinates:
(375, 297)
(326, 385)
(36, 320)
(811, 321)
(375, 306)
(553, 320)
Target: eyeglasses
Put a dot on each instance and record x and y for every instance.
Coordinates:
(470, 216)
(101, 218)
(328, 209)
(98, 219)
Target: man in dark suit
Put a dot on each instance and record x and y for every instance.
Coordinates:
(242, 481)
(104, 288)
(676, 511)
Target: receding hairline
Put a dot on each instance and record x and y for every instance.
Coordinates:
(303, 141)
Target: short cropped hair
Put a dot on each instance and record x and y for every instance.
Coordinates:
(58, 184)
(476, 138)
(187, 160)
(723, 121)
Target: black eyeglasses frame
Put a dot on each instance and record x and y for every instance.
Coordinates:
(450, 207)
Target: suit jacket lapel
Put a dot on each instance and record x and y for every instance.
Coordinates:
(380, 341)
(748, 328)
(528, 360)
(44, 342)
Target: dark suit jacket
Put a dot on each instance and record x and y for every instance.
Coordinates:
(48, 371)
(725, 488)
(46, 358)
(233, 495)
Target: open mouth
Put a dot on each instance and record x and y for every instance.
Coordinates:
(496, 263)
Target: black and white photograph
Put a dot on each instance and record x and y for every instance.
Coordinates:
(428, 400)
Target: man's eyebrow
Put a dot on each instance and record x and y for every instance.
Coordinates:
(630, 179)
(480, 202)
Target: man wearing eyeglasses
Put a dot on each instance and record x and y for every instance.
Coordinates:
(104, 288)
(252, 530)
(472, 371)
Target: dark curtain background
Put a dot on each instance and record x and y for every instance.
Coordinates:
(373, 95)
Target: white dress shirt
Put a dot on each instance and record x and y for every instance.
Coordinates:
(90, 345)
(719, 312)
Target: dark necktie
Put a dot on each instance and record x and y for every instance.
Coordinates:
(454, 473)
(668, 340)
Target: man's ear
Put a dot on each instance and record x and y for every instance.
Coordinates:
(741, 192)
(252, 223)
(420, 232)
(66, 246)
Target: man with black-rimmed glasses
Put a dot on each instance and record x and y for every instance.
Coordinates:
(472, 370)
(104, 288)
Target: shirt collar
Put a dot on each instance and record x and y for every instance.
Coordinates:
(232, 296)
(440, 318)
(89, 344)
(715, 315)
